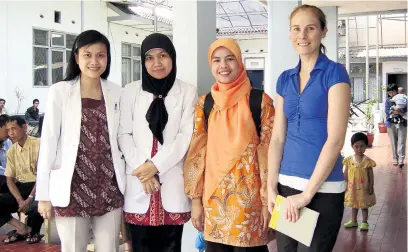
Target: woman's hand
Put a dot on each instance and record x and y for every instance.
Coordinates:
(197, 214)
(145, 172)
(265, 217)
(44, 208)
(151, 186)
(294, 204)
(272, 194)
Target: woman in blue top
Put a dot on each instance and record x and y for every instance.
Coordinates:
(312, 110)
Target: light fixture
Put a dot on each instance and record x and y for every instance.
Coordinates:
(160, 11)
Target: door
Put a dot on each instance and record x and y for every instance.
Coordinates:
(256, 77)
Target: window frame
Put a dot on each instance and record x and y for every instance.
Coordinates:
(132, 58)
(50, 48)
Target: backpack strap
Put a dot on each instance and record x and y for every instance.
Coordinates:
(255, 104)
(208, 106)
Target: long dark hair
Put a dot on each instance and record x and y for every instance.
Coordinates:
(86, 38)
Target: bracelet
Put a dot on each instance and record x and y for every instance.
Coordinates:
(30, 196)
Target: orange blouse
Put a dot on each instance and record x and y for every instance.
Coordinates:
(233, 211)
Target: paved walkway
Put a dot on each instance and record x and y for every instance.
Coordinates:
(387, 219)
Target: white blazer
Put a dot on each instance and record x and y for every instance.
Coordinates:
(60, 139)
(136, 141)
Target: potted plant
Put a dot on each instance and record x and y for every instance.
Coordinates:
(369, 121)
(381, 127)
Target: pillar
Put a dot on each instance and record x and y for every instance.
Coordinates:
(194, 29)
(331, 39)
(282, 55)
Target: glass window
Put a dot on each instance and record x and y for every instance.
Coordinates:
(57, 66)
(50, 56)
(70, 39)
(126, 71)
(136, 70)
(40, 37)
(131, 63)
(136, 51)
(57, 39)
(126, 50)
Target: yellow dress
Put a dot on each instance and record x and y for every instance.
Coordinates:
(357, 195)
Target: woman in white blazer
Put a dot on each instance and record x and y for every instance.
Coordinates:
(80, 170)
(156, 125)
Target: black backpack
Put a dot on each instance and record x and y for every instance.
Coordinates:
(255, 103)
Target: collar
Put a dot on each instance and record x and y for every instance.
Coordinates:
(321, 63)
(26, 144)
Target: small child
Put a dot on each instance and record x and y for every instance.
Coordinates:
(399, 102)
(358, 171)
(200, 242)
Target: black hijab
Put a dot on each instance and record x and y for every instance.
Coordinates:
(157, 115)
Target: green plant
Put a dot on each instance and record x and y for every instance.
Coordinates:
(369, 114)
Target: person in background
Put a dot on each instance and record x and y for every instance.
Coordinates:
(21, 181)
(358, 172)
(32, 113)
(32, 117)
(5, 144)
(397, 132)
(225, 171)
(81, 172)
(3, 110)
(312, 112)
(156, 124)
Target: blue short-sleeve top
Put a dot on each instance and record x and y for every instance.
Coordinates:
(306, 114)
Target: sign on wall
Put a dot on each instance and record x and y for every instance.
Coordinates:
(254, 63)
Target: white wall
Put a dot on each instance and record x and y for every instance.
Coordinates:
(117, 35)
(17, 20)
(393, 67)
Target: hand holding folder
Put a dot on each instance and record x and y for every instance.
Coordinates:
(302, 230)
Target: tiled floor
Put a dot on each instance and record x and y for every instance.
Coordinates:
(387, 219)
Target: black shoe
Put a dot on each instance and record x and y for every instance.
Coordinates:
(401, 166)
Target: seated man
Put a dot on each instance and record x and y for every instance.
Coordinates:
(21, 176)
(32, 117)
(5, 144)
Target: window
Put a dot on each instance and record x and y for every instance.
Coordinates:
(57, 17)
(131, 63)
(51, 51)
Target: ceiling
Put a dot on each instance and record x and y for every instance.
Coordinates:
(234, 17)
(360, 7)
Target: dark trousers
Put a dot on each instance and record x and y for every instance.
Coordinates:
(331, 208)
(3, 184)
(218, 247)
(156, 239)
(9, 205)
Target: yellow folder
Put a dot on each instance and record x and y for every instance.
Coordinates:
(302, 230)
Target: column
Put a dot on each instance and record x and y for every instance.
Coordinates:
(194, 29)
(331, 39)
(282, 55)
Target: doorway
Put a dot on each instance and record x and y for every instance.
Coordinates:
(400, 79)
(257, 78)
